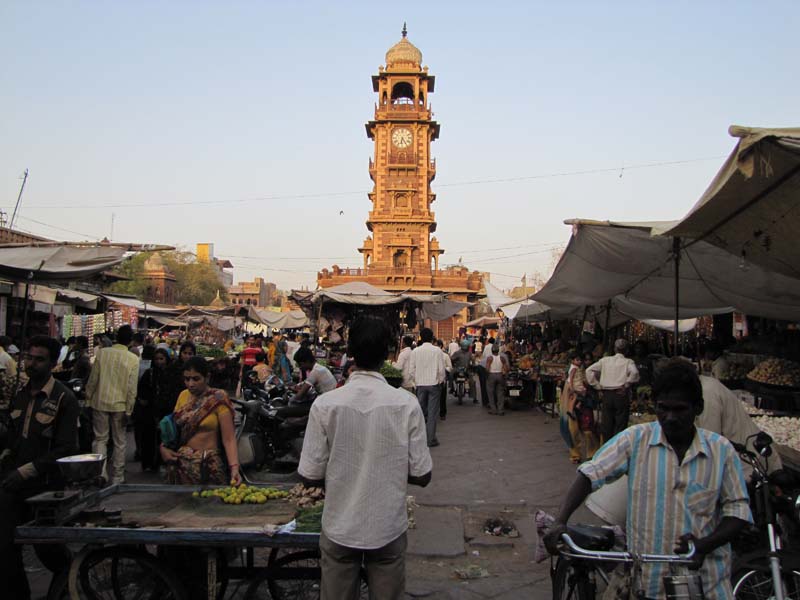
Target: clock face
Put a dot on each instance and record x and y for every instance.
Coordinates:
(401, 138)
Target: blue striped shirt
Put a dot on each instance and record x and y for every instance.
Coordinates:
(667, 498)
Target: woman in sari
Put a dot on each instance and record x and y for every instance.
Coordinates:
(281, 365)
(204, 418)
(576, 414)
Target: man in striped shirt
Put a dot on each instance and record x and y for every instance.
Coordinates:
(111, 393)
(684, 484)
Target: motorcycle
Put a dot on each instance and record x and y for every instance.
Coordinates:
(270, 431)
(460, 380)
(766, 565)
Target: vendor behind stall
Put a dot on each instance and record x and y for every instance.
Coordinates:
(43, 427)
(317, 376)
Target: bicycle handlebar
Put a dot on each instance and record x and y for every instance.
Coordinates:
(578, 552)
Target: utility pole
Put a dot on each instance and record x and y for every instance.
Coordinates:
(19, 198)
(111, 235)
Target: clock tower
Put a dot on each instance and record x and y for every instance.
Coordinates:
(401, 254)
(401, 220)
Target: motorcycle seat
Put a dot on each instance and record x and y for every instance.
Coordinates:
(591, 538)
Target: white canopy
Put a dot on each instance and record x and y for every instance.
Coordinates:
(752, 207)
(495, 296)
(357, 292)
(57, 263)
(293, 319)
(634, 269)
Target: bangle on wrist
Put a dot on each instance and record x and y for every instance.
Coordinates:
(234, 465)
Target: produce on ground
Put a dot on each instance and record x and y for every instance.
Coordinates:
(306, 497)
(754, 410)
(776, 371)
(784, 430)
(737, 371)
(242, 494)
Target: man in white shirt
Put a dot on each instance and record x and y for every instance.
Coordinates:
(403, 363)
(365, 442)
(6, 359)
(614, 375)
(480, 368)
(453, 347)
(292, 346)
(427, 369)
(317, 376)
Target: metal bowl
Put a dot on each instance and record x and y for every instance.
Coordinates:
(81, 467)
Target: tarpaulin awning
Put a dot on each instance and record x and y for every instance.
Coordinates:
(484, 322)
(752, 206)
(357, 292)
(144, 306)
(439, 310)
(294, 319)
(57, 263)
(627, 264)
(166, 321)
(495, 296)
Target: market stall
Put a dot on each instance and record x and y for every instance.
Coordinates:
(127, 535)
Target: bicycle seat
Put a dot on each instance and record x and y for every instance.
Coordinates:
(590, 537)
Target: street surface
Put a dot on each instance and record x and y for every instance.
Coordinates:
(501, 467)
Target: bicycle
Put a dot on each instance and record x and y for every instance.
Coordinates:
(770, 571)
(588, 556)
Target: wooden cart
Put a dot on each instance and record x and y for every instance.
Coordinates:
(160, 541)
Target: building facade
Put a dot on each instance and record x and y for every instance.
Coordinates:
(160, 281)
(401, 253)
(205, 254)
(253, 293)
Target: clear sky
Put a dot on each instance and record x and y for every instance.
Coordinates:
(242, 123)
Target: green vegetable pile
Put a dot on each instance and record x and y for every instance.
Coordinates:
(309, 520)
(210, 352)
(388, 371)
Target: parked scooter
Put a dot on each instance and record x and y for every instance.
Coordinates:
(270, 431)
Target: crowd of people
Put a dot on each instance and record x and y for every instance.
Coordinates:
(366, 440)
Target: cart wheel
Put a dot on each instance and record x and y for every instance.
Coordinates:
(302, 580)
(116, 573)
(192, 566)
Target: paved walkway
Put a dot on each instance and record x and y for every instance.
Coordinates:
(487, 466)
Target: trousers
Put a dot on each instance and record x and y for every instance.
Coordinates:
(102, 421)
(496, 388)
(341, 570)
(481, 371)
(616, 409)
(429, 398)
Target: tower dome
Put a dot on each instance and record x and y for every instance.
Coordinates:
(403, 53)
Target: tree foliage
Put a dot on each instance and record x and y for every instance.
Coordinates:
(195, 282)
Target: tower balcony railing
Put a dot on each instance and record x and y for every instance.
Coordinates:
(403, 111)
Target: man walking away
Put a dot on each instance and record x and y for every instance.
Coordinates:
(614, 375)
(485, 353)
(365, 442)
(427, 370)
(448, 374)
(111, 393)
(496, 369)
(403, 363)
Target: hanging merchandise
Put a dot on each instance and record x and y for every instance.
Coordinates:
(66, 326)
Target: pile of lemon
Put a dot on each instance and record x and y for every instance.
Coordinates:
(242, 494)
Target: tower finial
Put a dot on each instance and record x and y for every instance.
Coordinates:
(405, 31)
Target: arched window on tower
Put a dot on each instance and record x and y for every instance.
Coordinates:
(403, 93)
(421, 99)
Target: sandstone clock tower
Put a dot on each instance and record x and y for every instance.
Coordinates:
(401, 253)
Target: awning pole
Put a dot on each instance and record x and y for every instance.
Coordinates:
(24, 333)
(676, 251)
(608, 319)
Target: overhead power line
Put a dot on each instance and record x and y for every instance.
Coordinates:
(306, 196)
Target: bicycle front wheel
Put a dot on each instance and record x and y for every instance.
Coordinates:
(571, 581)
(756, 584)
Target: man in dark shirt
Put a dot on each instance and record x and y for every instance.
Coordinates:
(43, 427)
